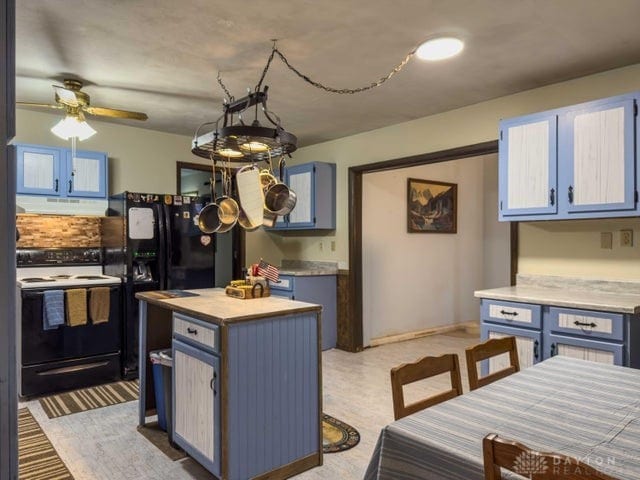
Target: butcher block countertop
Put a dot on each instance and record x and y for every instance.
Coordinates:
(606, 296)
(213, 305)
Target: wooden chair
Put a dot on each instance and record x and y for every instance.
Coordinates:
(516, 457)
(486, 350)
(420, 369)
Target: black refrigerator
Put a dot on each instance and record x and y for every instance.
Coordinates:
(153, 242)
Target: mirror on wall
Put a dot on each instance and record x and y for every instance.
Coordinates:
(194, 179)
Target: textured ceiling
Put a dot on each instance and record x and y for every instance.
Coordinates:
(161, 56)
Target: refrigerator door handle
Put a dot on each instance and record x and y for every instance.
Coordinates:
(169, 244)
(162, 262)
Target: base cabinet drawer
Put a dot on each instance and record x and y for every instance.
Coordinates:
(196, 404)
(196, 332)
(587, 323)
(529, 344)
(584, 349)
(511, 313)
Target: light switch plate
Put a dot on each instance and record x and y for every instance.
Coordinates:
(626, 238)
(606, 240)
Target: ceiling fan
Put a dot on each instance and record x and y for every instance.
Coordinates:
(76, 103)
(73, 99)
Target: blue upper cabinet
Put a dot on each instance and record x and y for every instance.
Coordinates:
(528, 165)
(39, 170)
(86, 174)
(52, 172)
(315, 187)
(574, 162)
(599, 169)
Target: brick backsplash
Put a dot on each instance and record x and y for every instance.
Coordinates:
(51, 231)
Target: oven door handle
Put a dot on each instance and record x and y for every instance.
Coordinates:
(72, 369)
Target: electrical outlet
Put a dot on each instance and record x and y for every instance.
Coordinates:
(333, 245)
(321, 246)
(606, 240)
(626, 238)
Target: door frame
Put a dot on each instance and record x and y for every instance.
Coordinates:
(239, 235)
(354, 336)
(8, 367)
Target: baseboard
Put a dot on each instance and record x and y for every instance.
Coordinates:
(469, 326)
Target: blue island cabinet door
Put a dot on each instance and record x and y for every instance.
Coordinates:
(196, 404)
(610, 353)
(528, 342)
(528, 167)
(598, 142)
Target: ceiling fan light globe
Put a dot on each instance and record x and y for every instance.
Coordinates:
(70, 127)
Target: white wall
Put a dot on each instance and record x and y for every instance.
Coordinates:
(139, 159)
(414, 281)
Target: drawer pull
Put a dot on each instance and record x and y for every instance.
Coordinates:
(504, 312)
(553, 349)
(585, 324)
(193, 331)
(535, 349)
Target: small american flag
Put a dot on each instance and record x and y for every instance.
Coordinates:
(268, 271)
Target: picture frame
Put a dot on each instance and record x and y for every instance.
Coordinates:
(432, 206)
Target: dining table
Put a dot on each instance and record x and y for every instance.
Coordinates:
(583, 409)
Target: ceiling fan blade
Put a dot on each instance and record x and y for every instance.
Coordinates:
(39, 105)
(112, 112)
(65, 96)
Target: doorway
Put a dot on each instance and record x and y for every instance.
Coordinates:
(194, 179)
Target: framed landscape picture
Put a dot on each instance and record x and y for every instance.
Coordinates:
(431, 206)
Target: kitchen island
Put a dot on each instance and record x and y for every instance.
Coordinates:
(247, 380)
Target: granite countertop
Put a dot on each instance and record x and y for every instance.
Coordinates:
(213, 305)
(620, 297)
(304, 268)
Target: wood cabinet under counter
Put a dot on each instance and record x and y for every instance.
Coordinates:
(246, 374)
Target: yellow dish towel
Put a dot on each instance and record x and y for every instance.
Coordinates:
(99, 304)
(76, 306)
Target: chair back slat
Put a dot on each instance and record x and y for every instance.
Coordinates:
(518, 458)
(421, 369)
(489, 349)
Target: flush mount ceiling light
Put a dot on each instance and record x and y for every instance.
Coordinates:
(73, 126)
(237, 141)
(440, 48)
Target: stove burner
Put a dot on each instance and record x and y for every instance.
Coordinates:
(60, 276)
(34, 280)
(89, 277)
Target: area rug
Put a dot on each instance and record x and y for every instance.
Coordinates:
(89, 398)
(37, 459)
(152, 432)
(337, 436)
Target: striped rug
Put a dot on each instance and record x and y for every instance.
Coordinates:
(37, 459)
(89, 398)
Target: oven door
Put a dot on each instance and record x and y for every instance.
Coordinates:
(63, 343)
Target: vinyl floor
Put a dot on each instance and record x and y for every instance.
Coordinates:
(103, 444)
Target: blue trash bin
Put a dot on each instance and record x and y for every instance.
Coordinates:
(162, 364)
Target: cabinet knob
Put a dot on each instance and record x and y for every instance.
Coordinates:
(553, 349)
(552, 197)
(57, 185)
(570, 194)
(192, 331)
(535, 349)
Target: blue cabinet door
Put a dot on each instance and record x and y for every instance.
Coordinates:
(529, 343)
(302, 180)
(196, 404)
(585, 349)
(597, 145)
(527, 161)
(86, 174)
(39, 170)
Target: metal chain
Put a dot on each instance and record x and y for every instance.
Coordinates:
(380, 81)
(316, 84)
(226, 91)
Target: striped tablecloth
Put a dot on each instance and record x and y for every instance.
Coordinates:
(583, 409)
